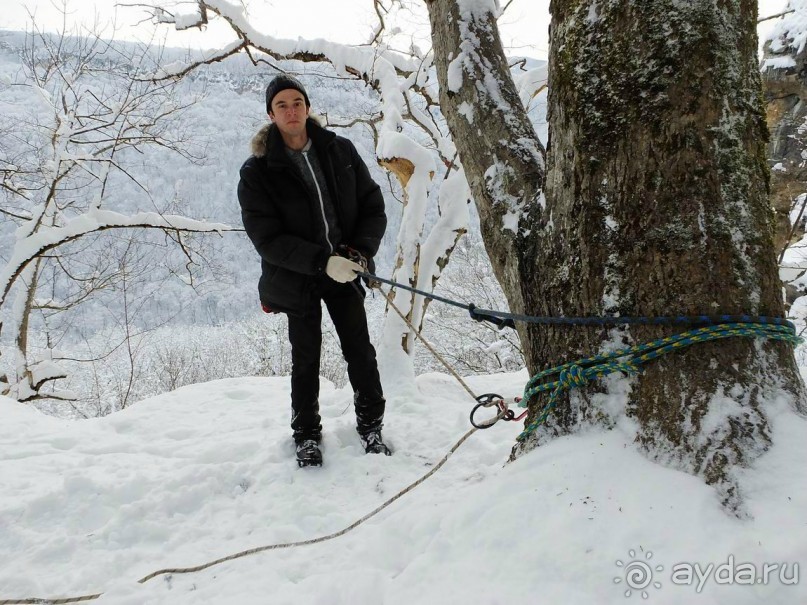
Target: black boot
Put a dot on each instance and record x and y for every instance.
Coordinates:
(308, 453)
(373, 444)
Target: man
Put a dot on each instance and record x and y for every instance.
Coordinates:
(308, 201)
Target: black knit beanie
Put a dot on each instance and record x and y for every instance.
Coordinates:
(282, 82)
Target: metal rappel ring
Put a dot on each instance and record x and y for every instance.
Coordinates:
(485, 401)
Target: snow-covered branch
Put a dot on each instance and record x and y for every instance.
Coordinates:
(92, 114)
(46, 239)
(405, 84)
(379, 68)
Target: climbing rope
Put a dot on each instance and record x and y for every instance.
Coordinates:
(629, 360)
(35, 601)
(341, 532)
(325, 538)
(504, 319)
(569, 375)
(259, 549)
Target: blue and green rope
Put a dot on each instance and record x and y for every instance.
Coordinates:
(628, 361)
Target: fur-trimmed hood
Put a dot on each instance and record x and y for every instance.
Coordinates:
(259, 144)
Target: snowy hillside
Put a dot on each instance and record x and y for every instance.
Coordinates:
(208, 471)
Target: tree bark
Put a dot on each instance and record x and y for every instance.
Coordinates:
(656, 205)
(497, 145)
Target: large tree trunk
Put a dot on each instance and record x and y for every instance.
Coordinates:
(656, 204)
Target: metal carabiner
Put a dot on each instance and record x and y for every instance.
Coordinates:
(488, 400)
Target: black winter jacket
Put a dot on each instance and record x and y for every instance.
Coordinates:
(283, 219)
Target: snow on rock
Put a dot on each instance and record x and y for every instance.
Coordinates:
(510, 221)
(779, 63)
(593, 16)
(207, 470)
(789, 34)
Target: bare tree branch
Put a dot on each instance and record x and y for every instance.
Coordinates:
(762, 19)
(12, 214)
(64, 235)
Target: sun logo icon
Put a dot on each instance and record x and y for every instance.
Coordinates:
(638, 573)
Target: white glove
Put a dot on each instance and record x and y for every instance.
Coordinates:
(342, 269)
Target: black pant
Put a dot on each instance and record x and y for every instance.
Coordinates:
(345, 303)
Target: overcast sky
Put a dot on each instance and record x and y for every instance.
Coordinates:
(524, 25)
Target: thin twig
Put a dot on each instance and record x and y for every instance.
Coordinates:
(772, 16)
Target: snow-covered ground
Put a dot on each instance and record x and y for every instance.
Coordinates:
(208, 470)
